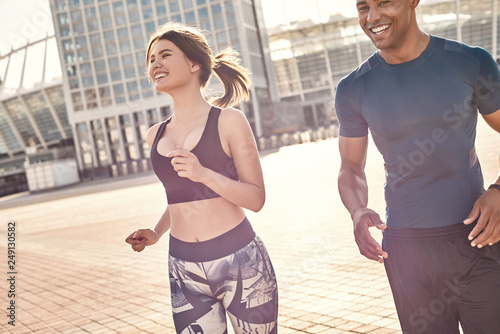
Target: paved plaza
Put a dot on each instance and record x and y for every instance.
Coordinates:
(75, 273)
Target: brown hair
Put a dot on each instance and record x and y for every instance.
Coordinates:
(226, 64)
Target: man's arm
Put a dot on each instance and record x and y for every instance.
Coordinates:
(353, 190)
(487, 207)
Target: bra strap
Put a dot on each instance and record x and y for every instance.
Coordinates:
(212, 126)
(160, 131)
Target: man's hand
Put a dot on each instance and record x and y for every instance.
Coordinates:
(487, 229)
(368, 246)
(142, 238)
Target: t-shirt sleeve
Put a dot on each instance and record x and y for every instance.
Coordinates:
(487, 88)
(351, 122)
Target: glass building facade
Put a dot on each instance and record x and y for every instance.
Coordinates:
(110, 102)
(310, 58)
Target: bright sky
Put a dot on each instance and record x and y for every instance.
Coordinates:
(23, 20)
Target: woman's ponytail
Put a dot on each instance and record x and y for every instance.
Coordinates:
(234, 77)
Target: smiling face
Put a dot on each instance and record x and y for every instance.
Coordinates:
(389, 24)
(169, 68)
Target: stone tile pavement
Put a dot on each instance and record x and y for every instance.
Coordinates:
(75, 274)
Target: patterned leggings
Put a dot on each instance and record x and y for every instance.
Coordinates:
(241, 283)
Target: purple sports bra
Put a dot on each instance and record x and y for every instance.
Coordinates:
(210, 154)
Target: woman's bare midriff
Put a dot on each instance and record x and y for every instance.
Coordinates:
(203, 220)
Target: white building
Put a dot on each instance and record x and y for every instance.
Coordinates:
(311, 57)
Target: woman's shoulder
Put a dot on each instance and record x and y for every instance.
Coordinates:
(151, 133)
(233, 123)
(232, 116)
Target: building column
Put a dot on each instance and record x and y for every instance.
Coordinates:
(90, 131)
(121, 141)
(134, 135)
(78, 151)
(107, 144)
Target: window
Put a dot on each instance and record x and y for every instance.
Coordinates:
(61, 5)
(174, 6)
(122, 33)
(104, 9)
(128, 66)
(161, 10)
(63, 18)
(74, 3)
(88, 81)
(114, 67)
(96, 46)
(105, 96)
(91, 98)
(100, 68)
(133, 90)
(77, 101)
(102, 78)
(90, 12)
(147, 13)
(190, 18)
(76, 15)
(81, 46)
(119, 93)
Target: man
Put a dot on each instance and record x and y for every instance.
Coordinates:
(420, 95)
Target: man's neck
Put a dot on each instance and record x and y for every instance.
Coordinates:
(411, 49)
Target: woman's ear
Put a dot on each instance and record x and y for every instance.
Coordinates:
(195, 67)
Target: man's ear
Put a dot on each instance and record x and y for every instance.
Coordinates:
(414, 3)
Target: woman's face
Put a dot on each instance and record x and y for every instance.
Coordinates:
(169, 68)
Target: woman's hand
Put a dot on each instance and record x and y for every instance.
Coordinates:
(142, 238)
(186, 164)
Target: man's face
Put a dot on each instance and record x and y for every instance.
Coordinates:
(386, 23)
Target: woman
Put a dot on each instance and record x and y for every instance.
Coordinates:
(207, 160)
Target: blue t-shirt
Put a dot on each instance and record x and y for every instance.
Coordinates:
(422, 116)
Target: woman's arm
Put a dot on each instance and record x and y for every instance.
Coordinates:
(249, 192)
(147, 237)
(237, 138)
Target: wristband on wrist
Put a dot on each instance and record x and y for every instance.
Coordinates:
(495, 186)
